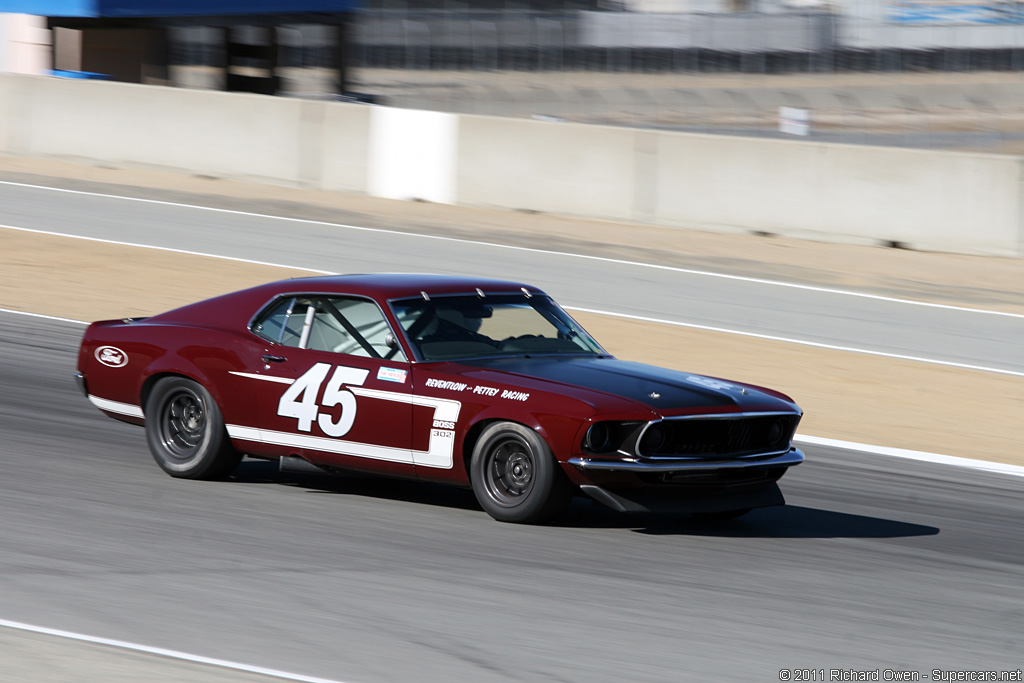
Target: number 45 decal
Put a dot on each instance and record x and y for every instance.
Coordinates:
(299, 401)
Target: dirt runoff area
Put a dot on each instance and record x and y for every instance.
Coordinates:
(847, 396)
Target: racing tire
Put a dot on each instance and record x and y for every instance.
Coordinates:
(515, 477)
(186, 433)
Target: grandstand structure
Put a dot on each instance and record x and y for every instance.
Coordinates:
(132, 40)
(242, 45)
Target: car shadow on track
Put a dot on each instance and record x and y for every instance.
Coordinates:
(787, 521)
(791, 521)
(356, 484)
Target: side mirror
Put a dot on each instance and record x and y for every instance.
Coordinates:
(390, 341)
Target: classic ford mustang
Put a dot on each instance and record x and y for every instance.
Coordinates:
(472, 382)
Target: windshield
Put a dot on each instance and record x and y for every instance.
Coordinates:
(447, 327)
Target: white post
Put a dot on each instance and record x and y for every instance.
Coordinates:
(24, 44)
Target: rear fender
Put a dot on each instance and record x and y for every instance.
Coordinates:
(236, 404)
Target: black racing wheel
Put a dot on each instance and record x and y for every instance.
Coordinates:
(515, 477)
(186, 432)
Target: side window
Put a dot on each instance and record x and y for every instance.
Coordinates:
(353, 326)
(337, 324)
(283, 321)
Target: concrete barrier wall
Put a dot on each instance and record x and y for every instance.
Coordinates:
(923, 199)
(9, 99)
(930, 200)
(546, 166)
(238, 134)
(343, 147)
(233, 135)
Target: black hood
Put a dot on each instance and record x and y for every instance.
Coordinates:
(659, 388)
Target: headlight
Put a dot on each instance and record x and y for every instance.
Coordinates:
(609, 436)
(598, 438)
(653, 439)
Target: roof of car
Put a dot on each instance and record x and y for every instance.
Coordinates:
(237, 308)
(399, 285)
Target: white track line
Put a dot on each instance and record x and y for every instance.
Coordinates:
(161, 652)
(625, 316)
(819, 345)
(923, 456)
(170, 249)
(603, 259)
(45, 317)
(984, 465)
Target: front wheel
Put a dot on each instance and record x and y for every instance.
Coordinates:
(515, 477)
(186, 432)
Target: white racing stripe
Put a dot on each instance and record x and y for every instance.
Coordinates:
(322, 443)
(162, 652)
(265, 378)
(495, 245)
(440, 446)
(116, 407)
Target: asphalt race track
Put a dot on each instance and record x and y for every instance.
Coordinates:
(942, 334)
(875, 563)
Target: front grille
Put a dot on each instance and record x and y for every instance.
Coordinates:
(718, 437)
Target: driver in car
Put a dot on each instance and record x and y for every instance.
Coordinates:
(451, 325)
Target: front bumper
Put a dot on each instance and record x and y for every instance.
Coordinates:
(663, 501)
(662, 465)
(682, 485)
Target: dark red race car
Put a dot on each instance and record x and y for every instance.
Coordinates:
(466, 381)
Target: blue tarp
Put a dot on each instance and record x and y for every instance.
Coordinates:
(170, 8)
(88, 75)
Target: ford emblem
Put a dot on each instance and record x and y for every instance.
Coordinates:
(111, 356)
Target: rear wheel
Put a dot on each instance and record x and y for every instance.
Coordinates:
(186, 432)
(515, 477)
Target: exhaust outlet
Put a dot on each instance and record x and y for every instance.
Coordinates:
(293, 463)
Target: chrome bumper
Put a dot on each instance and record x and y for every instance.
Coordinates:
(80, 381)
(793, 457)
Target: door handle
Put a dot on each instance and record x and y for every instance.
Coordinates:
(274, 359)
